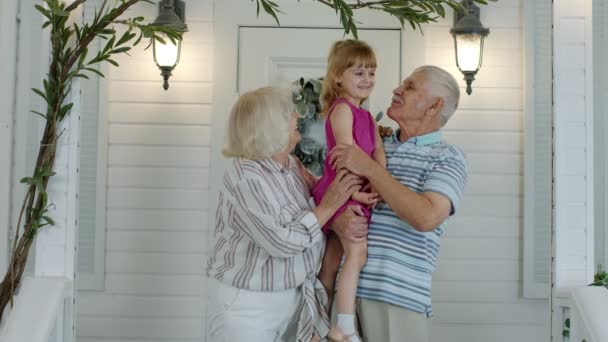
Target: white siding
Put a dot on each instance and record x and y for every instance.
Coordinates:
(477, 288)
(157, 194)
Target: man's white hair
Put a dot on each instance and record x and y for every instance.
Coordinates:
(258, 126)
(441, 83)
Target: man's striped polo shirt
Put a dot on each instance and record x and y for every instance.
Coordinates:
(400, 259)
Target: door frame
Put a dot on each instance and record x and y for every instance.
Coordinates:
(227, 23)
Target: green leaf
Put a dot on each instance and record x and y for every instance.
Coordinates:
(111, 61)
(159, 39)
(83, 55)
(77, 31)
(125, 38)
(39, 186)
(59, 12)
(379, 116)
(27, 180)
(109, 45)
(268, 8)
(65, 109)
(44, 11)
(48, 220)
(138, 39)
(107, 31)
(120, 50)
(47, 173)
(353, 28)
(37, 91)
(93, 70)
(38, 113)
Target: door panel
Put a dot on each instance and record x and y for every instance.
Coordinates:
(279, 56)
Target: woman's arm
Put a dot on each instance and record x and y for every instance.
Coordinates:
(308, 177)
(255, 211)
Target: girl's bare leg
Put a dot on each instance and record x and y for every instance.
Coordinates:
(330, 265)
(355, 257)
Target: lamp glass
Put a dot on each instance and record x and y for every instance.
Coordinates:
(166, 55)
(468, 51)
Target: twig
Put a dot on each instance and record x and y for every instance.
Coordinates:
(74, 5)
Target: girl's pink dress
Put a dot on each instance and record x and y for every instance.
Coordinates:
(364, 136)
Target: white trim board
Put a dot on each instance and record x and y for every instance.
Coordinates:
(537, 155)
(8, 42)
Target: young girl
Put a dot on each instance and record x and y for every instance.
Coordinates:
(348, 83)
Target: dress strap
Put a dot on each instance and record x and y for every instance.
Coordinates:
(337, 102)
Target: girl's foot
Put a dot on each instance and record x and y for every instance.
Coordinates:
(336, 335)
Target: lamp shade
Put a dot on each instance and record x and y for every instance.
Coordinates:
(469, 51)
(166, 55)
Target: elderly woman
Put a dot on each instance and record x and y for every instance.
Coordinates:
(268, 242)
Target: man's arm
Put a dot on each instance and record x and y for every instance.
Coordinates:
(351, 224)
(423, 211)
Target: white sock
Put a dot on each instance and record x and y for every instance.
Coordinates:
(346, 324)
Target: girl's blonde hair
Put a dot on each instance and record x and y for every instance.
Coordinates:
(258, 126)
(343, 55)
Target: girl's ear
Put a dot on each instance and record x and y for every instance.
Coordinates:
(339, 81)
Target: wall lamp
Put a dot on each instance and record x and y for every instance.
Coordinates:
(171, 14)
(469, 34)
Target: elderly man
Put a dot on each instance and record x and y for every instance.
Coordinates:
(421, 187)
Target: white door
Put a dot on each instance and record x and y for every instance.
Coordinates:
(253, 52)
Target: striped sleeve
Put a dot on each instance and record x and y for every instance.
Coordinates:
(256, 212)
(449, 177)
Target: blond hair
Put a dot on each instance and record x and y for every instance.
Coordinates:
(343, 55)
(258, 126)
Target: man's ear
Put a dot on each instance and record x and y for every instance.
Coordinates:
(436, 107)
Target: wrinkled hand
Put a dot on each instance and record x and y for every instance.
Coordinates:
(368, 199)
(308, 177)
(351, 225)
(352, 158)
(370, 188)
(341, 189)
(385, 131)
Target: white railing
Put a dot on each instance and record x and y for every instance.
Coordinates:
(38, 312)
(589, 315)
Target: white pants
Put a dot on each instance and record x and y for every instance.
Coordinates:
(237, 315)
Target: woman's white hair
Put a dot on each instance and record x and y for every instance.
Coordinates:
(258, 126)
(441, 83)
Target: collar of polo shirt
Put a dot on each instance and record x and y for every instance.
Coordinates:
(421, 140)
